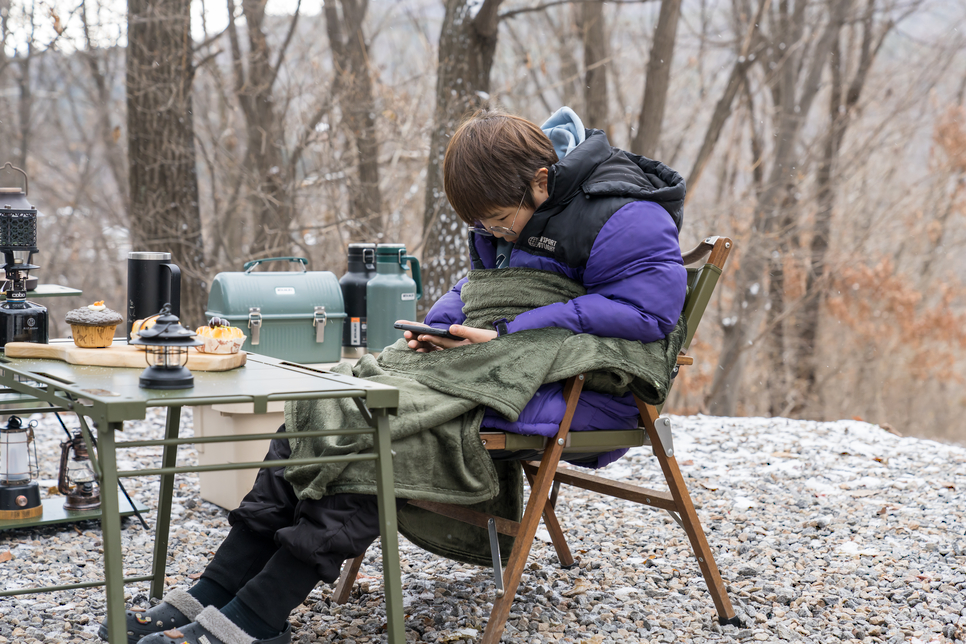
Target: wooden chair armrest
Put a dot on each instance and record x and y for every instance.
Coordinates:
(683, 359)
(717, 247)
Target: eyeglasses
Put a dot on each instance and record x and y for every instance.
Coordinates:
(480, 229)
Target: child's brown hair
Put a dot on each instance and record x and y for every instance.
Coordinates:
(490, 162)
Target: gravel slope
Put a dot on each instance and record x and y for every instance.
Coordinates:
(823, 531)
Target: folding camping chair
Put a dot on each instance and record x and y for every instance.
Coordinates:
(544, 476)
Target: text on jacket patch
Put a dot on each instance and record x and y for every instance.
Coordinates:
(542, 242)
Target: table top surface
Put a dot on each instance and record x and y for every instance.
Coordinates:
(46, 290)
(260, 380)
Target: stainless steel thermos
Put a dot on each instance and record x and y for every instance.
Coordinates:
(152, 281)
(361, 268)
(391, 295)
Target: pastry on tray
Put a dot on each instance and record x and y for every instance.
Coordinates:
(220, 337)
(93, 326)
(142, 325)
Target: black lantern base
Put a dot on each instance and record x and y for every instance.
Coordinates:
(20, 501)
(166, 378)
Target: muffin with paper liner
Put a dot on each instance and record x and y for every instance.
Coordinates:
(220, 337)
(92, 326)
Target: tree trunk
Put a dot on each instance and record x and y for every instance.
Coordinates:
(658, 80)
(595, 65)
(353, 86)
(792, 108)
(722, 109)
(269, 185)
(841, 109)
(163, 184)
(467, 42)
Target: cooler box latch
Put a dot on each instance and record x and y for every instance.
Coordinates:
(255, 322)
(318, 321)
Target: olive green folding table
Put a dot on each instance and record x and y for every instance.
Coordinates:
(108, 396)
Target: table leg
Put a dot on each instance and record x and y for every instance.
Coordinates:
(168, 459)
(111, 532)
(386, 496)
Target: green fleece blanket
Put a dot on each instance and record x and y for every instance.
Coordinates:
(438, 453)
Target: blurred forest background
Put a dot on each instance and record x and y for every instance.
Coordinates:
(826, 137)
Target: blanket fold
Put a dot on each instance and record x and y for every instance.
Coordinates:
(438, 453)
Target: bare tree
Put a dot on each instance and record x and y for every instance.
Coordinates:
(467, 43)
(164, 213)
(793, 88)
(269, 182)
(353, 90)
(594, 38)
(745, 57)
(844, 97)
(658, 80)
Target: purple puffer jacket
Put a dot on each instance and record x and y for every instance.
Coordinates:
(633, 273)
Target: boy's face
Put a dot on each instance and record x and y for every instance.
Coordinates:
(507, 222)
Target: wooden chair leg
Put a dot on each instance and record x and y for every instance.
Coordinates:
(347, 578)
(553, 525)
(692, 526)
(539, 492)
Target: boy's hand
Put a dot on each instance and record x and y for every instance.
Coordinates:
(427, 343)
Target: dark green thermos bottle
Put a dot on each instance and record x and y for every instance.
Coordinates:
(391, 295)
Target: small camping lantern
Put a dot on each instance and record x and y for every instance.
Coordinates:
(166, 351)
(19, 494)
(76, 479)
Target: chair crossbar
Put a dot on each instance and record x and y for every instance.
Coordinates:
(467, 515)
(618, 489)
(592, 441)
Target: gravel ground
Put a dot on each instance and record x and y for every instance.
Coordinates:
(823, 532)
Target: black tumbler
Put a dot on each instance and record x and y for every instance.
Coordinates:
(361, 269)
(152, 281)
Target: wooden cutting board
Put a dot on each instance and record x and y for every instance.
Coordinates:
(118, 355)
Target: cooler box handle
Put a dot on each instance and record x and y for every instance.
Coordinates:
(249, 266)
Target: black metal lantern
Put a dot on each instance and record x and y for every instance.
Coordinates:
(19, 494)
(20, 320)
(166, 351)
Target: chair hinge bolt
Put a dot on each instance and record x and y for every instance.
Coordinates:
(560, 441)
(580, 377)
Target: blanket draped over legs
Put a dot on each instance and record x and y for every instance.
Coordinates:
(438, 455)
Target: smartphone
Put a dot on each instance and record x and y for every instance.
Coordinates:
(419, 329)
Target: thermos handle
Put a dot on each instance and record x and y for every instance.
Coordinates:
(255, 262)
(417, 277)
(172, 287)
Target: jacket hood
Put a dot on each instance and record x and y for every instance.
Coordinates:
(596, 169)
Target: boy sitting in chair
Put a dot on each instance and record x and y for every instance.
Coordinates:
(587, 235)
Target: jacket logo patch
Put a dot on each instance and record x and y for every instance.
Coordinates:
(542, 242)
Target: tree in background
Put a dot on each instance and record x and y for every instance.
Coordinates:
(163, 184)
(658, 80)
(353, 92)
(793, 65)
(467, 42)
(268, 178)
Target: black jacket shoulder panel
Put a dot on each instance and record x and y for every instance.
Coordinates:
(585, 189)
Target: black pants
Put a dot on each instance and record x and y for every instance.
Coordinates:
(279, 547)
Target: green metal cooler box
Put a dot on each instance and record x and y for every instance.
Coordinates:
(294, 315)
